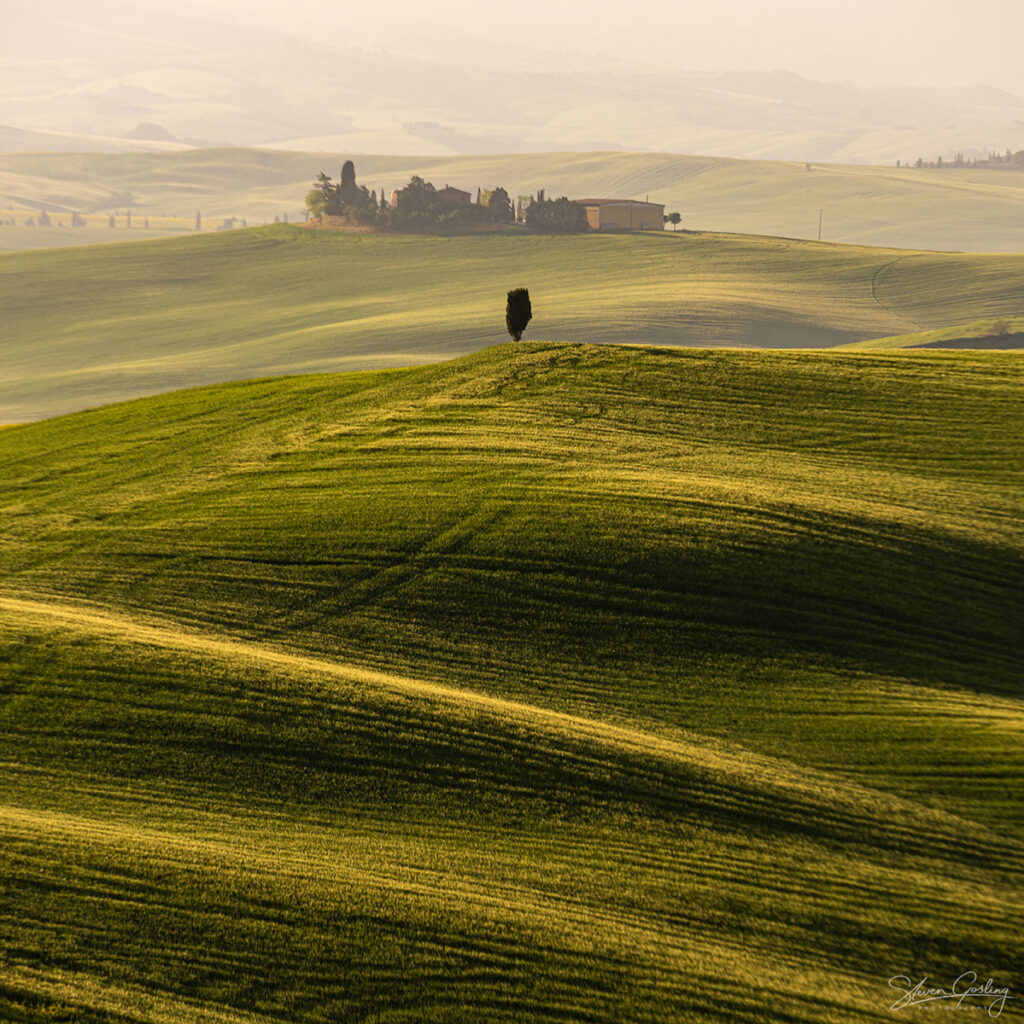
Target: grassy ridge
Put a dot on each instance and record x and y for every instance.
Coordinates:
(961, 209)
(89, 326)
(552, 683)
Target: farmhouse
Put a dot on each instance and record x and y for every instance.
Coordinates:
(449, 194)
(623, 214)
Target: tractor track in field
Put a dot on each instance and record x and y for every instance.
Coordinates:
(874, 291)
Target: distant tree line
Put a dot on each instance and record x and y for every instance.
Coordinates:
(1007, 161)
(419, 206)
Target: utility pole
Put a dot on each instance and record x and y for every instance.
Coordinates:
(821, 213)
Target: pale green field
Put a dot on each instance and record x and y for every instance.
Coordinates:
(555, 683)
(979, 334)
(86, 326)
(964, 209)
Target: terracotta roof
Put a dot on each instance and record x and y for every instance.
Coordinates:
(621, 202)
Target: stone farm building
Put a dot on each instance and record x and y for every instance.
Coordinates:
(623, 214)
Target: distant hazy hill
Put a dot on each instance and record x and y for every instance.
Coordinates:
(195, 78)
(22, 140)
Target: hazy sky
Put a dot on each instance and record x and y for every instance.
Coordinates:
(914, 42)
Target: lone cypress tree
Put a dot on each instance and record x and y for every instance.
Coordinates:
(518, 312)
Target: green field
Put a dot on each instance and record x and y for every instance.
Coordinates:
(552, 683)
(949, 209)
(999, 333)
(87, 326)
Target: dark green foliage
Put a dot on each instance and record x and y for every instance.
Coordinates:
(323, 197)
(418, 206)
(348, 179)
(557, 215)
(518, 312)
(347, 199)
(417, 202)
(500, 206)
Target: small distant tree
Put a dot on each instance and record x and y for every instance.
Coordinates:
(1000, 328)
(673, 218)
(199, 221)
(316, 202)
(44, 219)
(518, 312)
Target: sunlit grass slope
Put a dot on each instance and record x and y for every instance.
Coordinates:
(921, 208)
(1001, 333)
(553, 683)
(93, 325)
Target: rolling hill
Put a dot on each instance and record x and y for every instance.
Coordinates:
(88, 326)
(948, 209)
(441, 86)
(556, 682)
